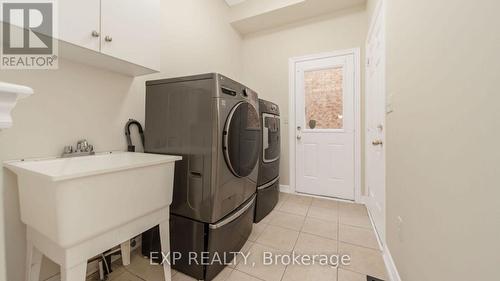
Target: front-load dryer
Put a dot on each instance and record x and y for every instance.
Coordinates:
(213, 122)
(268, 185)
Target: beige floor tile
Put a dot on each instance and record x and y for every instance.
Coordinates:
(308, 244)
(327, 214)
(127, 276)
(356, 219)
(268, 218)
(257, 231)
(278, 238)
(318, 220)
(283, 196)
(279, 204)
(179, 276)
(319, 227)
(287, 220)
(224, 274)
(117, 271)
(310, 273)
(294, 207)
(300, 199)
(240, 276)
(141, 266)
(364, 260)
(57, 277)
(359, 236)
(325, 203)
(351, 207)
(245, 249)
(346, 275)
(255, 264)
(282, 199)
(354, 214)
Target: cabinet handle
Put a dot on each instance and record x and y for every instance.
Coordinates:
(108, 38)
(95, 34)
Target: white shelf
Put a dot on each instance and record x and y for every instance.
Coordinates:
(9, 95)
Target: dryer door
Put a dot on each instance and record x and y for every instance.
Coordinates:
(242, 139)
(270, 138)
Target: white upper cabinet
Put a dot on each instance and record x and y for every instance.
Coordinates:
(131, 31)
(79, 22)
(120, 35)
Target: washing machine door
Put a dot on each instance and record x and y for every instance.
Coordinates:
(242, 139)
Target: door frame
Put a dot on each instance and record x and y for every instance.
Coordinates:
(379, 12)
(356, 52)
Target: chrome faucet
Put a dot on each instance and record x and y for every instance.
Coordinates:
(83, 148)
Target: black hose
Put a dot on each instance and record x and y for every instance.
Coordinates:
(131, 147)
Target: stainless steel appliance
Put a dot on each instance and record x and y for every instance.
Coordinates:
(213, 122)
(269, 168)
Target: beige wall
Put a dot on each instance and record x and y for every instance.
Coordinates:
(78, 101)
(371, 6)
(265, 58)
(443, 138)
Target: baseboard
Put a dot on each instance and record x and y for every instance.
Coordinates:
(392, 271)
(288, 189)
(390, 266)
(285, 189)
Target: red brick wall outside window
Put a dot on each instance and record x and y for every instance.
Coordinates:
(324, 97)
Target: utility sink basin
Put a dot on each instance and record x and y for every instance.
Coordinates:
(71, 200)
(77, 208)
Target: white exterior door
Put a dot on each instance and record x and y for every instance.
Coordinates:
(375, 124)
(325, 126)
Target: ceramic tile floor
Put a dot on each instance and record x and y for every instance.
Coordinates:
(302, 224)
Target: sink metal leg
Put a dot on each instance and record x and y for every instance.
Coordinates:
(33, 262)
(76, 273)
(165, 247)
(125, 251)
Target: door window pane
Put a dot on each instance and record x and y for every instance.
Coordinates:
(324, 98)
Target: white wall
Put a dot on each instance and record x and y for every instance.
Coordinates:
(265, 58)
(443, 156)
(77, 101)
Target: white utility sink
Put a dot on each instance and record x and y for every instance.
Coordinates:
(76, 208)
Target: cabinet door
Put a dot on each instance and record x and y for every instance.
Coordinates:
(131, 31)
(78, 20)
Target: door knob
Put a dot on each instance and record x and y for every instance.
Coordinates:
(299, 137)
(95, 34)
(377, 142)
(108, 38)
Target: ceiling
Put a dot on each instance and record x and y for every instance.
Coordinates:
(250, 16)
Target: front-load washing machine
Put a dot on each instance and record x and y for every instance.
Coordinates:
(213, 122)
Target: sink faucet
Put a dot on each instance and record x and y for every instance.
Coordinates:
(83, 148)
